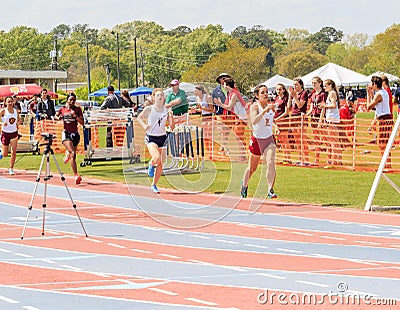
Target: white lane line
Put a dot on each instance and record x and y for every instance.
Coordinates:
(169, 256)
(227, 241)
(271, 276)
(289, 250)
(325, 256)
(363, 262)
(9, 300)
(313, 283)
(273, 229)
(71, 267)
(5, 251)
(48, 261)
(30, 308)
(141, 251)
(369, 226)
(94, 240)
(395, 245)
(163, 291)
(23, 255)
(367, 242)
(100, 274)
(117, 245)
(200, 237)
(208, 303)
(256, 246)
(333, 238)
(232, 268)
(301, 233)
(174, 232)
(199, 262)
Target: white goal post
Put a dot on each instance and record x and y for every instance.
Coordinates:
(380, 173)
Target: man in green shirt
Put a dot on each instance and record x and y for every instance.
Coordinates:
(177, 99)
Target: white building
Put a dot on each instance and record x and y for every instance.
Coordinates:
(42, 78)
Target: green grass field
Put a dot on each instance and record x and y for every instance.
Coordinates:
(293, 184)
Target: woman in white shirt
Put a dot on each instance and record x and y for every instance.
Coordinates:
(330, 119)
(205, 106)
(156, 117)
(262, 141)
(9, 135)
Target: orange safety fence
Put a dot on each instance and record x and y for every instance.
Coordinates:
(355, 144)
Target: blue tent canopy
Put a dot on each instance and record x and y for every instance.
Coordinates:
(102, 92)
(142, 90)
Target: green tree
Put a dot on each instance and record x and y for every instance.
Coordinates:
(24, 48)
(300, 63)
(246, 66)
(336, 53)
(385, 51)
(325, 37)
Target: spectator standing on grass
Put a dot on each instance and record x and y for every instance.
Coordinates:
(128, 103)
(318, 95)
(71, 116)
(33, 110)
(262, 142)
(154, 120)
(282, 109)
(46, 108)
(386, 86)
(177, 99)
(112, 101)
(298, 98)
(219, 94)
(9, 135)
(330, 119)
(206, 108)
(379, 98)
(235, 107)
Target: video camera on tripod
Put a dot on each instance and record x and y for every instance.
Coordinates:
(47, 137)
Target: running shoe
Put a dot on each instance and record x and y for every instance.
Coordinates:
(243, 190)
(11, 171)
(154, 189)
(272, 194)
(151, 170)
(78, 180)
(66, 157)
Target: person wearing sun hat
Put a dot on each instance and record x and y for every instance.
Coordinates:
(177, 99)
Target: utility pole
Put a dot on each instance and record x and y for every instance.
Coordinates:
(88, 66)
(142, 65)
(107, 67)
(136, 71)
(136, 65)
(118, 70)
(53, 55)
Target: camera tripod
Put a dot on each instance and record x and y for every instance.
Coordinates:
(48, 176)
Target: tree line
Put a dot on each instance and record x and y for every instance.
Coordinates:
(250, 55)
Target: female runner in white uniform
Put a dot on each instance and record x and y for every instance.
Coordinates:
(9, 135)
(262, 141)
(156, 116)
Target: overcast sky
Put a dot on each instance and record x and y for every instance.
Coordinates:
(350, 16)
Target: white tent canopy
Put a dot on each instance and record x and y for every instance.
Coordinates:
(271, 82)
(340, 75)
(392, 78)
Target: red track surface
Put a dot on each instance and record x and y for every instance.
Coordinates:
(186, 292)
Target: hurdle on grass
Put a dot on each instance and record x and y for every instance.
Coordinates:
(182, 155)
(115, 118)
